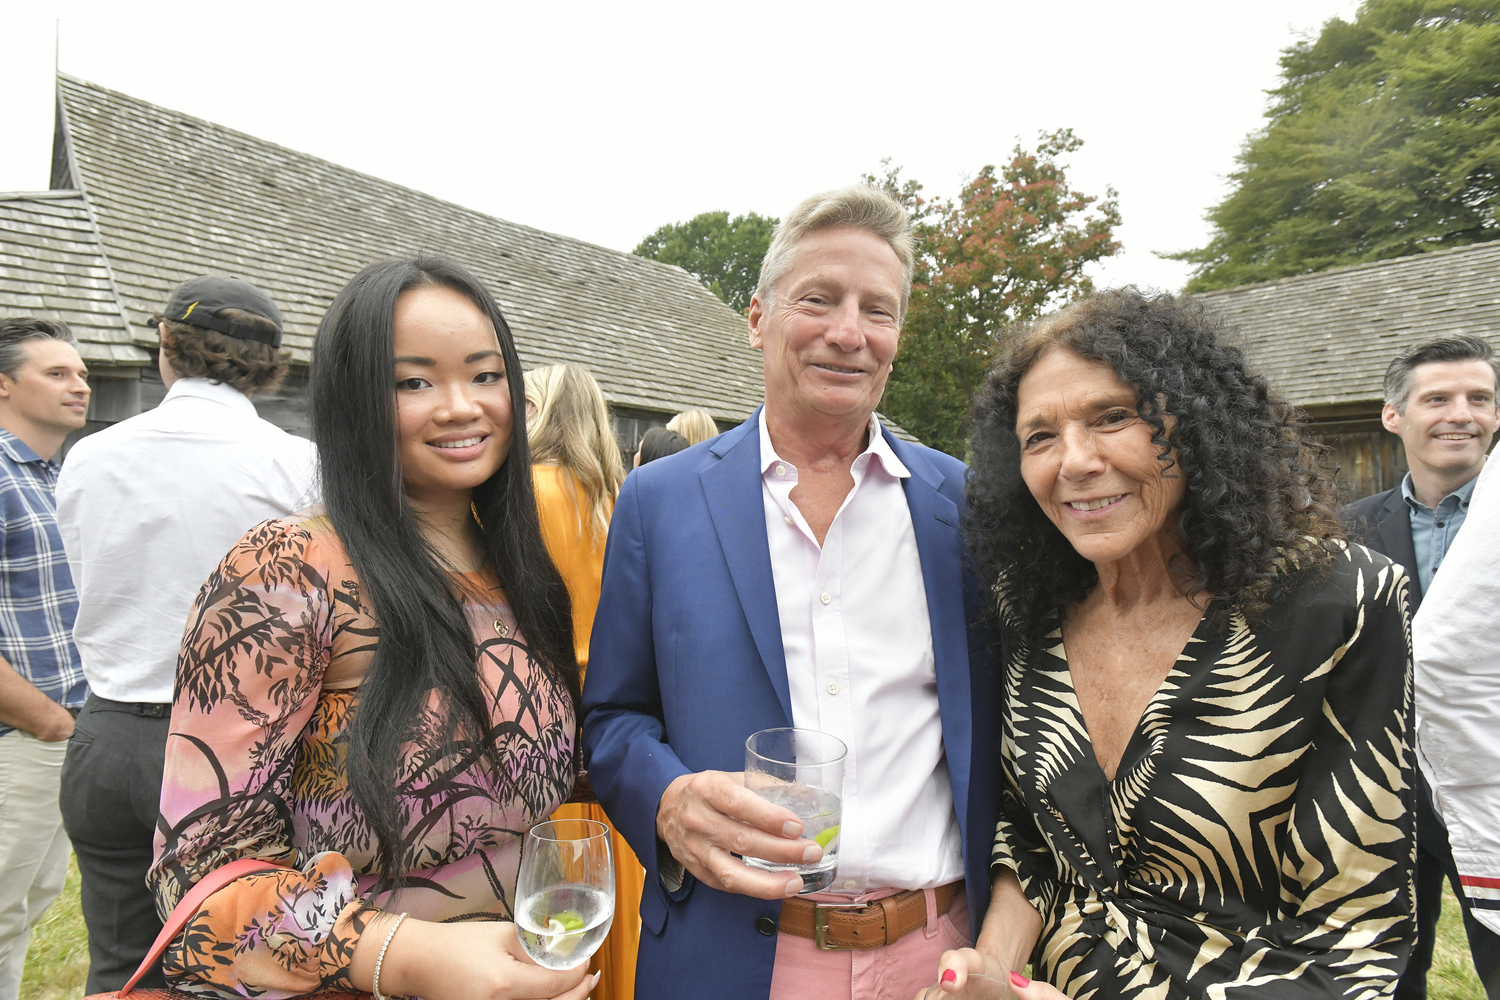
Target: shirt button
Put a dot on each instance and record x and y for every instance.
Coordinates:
(1440, 524)
(781, 470)
(766, 926)
(787, 520)
(825, 598)
(849, 883)
(833, 688)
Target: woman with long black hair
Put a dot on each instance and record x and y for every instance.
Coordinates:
(379, 694)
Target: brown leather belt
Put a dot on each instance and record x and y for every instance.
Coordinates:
(865, 925)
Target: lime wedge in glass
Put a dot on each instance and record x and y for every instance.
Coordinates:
(562, 932)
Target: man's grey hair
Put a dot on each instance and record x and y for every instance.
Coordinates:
(860, 206)
(1402, 371)
(16, 330)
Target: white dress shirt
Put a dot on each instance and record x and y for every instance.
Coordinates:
(148, 507)
(1456, 648)
(859, 661)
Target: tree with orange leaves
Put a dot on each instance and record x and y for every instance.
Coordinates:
(1010, 248)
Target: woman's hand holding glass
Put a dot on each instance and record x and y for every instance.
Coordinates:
(984, 972)
(565, 893)
(969, 974)
(972, 974)
(464, 961)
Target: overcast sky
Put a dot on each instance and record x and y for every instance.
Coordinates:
(604, 121)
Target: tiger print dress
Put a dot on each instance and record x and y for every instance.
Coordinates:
(1257, 839)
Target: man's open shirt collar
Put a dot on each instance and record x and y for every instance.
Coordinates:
(877, 449)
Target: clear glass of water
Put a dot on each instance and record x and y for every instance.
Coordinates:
(802, 770)
(565, 892)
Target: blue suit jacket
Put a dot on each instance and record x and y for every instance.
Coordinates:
(686, 661)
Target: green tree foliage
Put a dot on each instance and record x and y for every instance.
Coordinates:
(721, 252)
(1383, 140)
(1009, 248)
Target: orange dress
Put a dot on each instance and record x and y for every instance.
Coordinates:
(579, 555)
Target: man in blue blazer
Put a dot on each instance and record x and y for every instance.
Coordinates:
(804, 569)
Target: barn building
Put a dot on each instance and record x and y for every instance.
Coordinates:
(143, 197)
(1325, 339)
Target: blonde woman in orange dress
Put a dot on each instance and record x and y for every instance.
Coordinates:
(576, 471)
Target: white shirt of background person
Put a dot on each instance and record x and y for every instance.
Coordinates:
(1456, 651)
(148, 507)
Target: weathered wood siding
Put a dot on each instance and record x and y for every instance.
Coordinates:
(1369, 462)
(1369, 458)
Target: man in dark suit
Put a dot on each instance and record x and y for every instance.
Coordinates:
(1440, 399)
(805, 570)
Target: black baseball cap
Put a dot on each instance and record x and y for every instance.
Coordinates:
(198, 302)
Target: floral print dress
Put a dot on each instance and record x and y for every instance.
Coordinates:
(268, 681)
(1256, 840)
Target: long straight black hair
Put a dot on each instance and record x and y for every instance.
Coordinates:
(426, 645)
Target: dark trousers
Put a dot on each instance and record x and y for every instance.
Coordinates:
(1435, 863)
(111, 794)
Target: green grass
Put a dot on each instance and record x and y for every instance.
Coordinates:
(58, 962)
(1452, 974)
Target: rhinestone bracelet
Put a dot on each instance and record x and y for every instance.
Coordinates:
(375, 984)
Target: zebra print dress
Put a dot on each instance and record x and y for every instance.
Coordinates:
(1257, 839)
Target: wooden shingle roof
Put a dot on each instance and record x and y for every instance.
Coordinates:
(52, 267)
(1325, 339)
(175, 196)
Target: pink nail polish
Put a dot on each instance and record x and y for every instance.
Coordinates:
(1019, 981)
(949, 976)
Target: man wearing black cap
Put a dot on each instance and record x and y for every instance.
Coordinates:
(147, 509)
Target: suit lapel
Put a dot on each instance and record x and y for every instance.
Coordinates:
(1395, 535)
(934, 520)
(733, 490)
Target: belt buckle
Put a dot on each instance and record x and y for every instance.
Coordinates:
(820, 924)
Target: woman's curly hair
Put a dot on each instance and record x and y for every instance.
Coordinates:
(1259, 500)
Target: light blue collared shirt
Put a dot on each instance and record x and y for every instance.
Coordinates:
(1433, 529)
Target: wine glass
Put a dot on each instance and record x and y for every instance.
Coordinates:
(803, 770)
(565, 892)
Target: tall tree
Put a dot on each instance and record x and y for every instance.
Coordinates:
(1010, 247)
(1383, 140)
(721, 252)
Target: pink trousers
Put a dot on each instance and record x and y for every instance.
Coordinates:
(894, 972)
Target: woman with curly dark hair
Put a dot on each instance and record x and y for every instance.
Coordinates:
(1208, 690)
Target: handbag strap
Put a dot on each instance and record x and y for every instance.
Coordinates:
(191, 904)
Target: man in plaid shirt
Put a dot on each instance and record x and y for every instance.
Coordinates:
(44, 395)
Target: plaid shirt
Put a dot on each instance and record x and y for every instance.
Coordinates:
(37, 599)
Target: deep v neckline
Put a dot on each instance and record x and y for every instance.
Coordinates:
(1161, 694)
